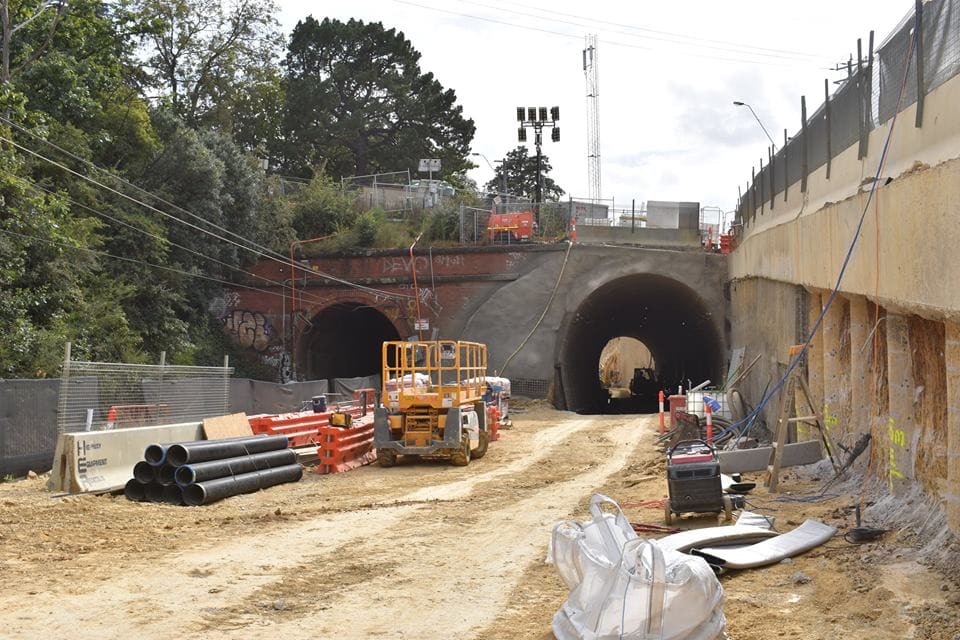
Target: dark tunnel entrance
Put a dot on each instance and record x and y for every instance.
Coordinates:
(345, 341)
(668, 317)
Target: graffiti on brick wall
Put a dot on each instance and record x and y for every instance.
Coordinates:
(401, 264)
(250, 329)
(275, 356)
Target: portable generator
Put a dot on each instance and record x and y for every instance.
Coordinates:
(693, 479)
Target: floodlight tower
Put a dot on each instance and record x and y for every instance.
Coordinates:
(536, 118)
(590, 72)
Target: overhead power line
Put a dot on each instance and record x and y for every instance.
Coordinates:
(107, 216)
(260, 250)
(710, 56)
(141, 262)
(690, 39)
(659, 36)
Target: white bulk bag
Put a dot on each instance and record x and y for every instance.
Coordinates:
(579, 549)
(634, 591)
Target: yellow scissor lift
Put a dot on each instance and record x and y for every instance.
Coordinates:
(432, 401)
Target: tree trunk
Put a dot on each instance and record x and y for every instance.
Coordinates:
(7, 34)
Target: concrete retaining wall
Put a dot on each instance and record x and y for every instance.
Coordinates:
(644, 237)
(886, 357)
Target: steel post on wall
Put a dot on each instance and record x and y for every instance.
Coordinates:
(918, 30)
(826, 116)
(226, 385)
(804, 146)
(64, 390)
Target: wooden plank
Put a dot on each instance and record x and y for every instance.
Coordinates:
(228, 426)
(775, 461)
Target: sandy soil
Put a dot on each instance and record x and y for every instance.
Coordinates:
(424, 550)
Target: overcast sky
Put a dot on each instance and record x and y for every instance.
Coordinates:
(669, 73)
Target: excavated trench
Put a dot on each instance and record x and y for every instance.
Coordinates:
(670, 318)
(345, 341)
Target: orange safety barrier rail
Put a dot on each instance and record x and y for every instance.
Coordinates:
(344, 449)
(303, 428)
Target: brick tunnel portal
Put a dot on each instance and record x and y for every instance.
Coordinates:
(344, 341)
(668, 317)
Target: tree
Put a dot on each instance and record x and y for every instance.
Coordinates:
(12, 20)
(519, 172)
(202, 50)
(357, 101)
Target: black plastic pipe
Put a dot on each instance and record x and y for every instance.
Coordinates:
(153, 491)
(173, 494)
(144, 472)
(213, 490)
(204, 450)
(165, 474)
(201, 471)
(134, 490)
(155, 454)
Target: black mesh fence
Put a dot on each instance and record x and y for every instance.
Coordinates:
(867, 98)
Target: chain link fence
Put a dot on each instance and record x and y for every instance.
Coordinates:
(111, 395)
(924, 48)
(553, 223)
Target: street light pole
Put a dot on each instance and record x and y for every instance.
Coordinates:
(537, 118)
(503, 175)
(744, 104)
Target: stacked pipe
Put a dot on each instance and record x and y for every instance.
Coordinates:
(204, 471)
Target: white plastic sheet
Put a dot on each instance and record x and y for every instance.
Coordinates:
(622, 586)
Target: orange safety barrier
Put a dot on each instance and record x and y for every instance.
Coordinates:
(493, 422)
(344, 449)
(302, 428)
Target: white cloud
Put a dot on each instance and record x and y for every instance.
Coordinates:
(668, 127)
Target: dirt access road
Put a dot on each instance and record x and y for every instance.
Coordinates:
(423, 550)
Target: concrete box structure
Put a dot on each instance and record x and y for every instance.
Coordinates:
(662, 214)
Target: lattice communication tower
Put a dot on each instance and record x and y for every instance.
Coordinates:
(593, 116)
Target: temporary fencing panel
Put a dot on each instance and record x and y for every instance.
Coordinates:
(28, 425)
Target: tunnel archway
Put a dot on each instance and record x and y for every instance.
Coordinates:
(344, 341)
(667, 316)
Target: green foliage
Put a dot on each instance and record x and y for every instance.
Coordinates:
(321, 209)
(201, 52)
(520, 171)
(357, 99)
(554, 219)
(365, 227)
(174, 103)
(442, 224)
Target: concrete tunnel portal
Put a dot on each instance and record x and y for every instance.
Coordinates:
(667, 316)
